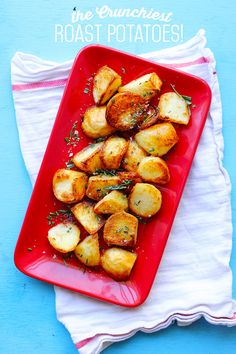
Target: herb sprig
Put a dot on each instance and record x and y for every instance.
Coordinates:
(101, 171)
(187, 99)
(123, 185)
(73, 137)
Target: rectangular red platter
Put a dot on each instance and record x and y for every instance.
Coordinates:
(42, 262)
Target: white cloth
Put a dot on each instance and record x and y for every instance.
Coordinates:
(194, 278)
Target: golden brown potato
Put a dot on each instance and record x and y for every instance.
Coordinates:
(98, 186)
(88, 159)
(146, 86)
(154, 169)
(121, 229)
(88, 252)
(145, 200)
(69, 186)
(95, 124)
(113, 151)
(133, 156)
(173, 107)
(125, 110)
(112, 203)
(106, 83)
(86, 216)
(118, 263)
(158, 139)
(64, 237)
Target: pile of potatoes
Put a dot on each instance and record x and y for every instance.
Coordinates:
(115, 175)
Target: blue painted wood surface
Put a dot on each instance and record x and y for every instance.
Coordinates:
(27, 313)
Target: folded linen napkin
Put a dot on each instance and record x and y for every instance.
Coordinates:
(194, 278)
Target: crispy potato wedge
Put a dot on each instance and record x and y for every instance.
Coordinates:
(95, 124)
(173, 108)
(133, 156)
(69, 186)
(112, 203)
(145, 200)
(106, 83)
(158, 139)
(88, 252)
(64, 237)
(88, 159)
(125, 110)
(121, 229)
(118, 263)
(146, 86)
(86, 216)
(154, 169)
(113, 151)
(97, 186)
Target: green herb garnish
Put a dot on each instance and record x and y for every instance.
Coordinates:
(121, 186)
(187, 99)
(29, 249)
(73, 137)
(101, 171)
(86, 90)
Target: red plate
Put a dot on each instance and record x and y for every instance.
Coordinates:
(42, 262)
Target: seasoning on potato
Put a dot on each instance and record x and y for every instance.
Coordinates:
(173, 108)
(94, 123)
(133, 156)
(146, 86)
(154, 169)
(113, 151)
(64, 237)
(106, 83)
(158, 139)
(89, 159)
(86, 216)
(88, 251)
(69, 186)
(118, 263)
(112, 203)
(121, 229)
(145, 200)
(125, 110)
(100, 185)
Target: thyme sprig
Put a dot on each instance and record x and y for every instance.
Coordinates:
(101, 171)
(187, 99)
(73, 137)
(123, 185)
(61, 215)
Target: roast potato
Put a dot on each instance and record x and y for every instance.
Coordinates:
(145, 200)
(133, 156)
(173, 108)
(97, 186)
(69, 186)
(118, 263)
(154, 169)
(128, 180)
(106, 83)
(95, 124)
(125, 110)
(158, 139)
(88, 252)
(113, 151)
(151, 117)
(86, 216)
(146, 86)
(121, 229)
(112, 203)
(88, 159)
(64, 237)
